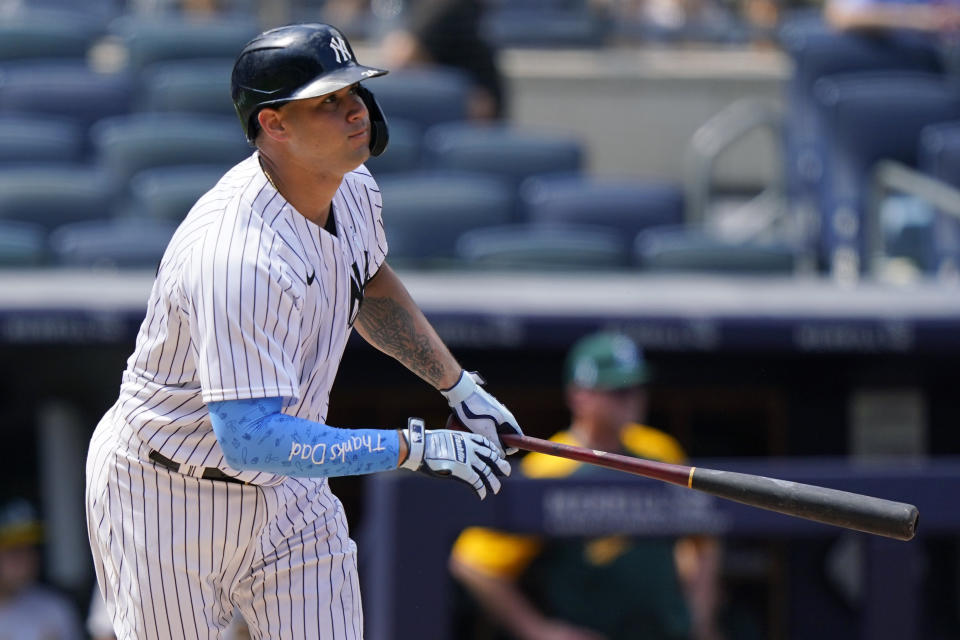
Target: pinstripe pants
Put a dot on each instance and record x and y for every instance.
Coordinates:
(174, 555)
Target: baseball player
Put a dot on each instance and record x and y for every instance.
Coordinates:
(206, 480)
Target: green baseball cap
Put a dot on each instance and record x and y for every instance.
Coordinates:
(606, 361)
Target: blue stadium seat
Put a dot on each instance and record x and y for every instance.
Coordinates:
(816, 51)
(676, 249)
(424, 96)
(867, 117)
(168, 193)
(68, 89)
(404, 150)
(627, 205)
(425, 212)
(939, 157)
(939, 152)
(150, 39)
(543, 247)
(33, 35)
(111, 243)
(75, 13)
(544, 24)
(125, 145)
(190, 86)
(52, 196)
(28, 139)
(510, 153)
(22, 244)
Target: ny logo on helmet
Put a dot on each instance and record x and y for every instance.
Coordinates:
(339, 47)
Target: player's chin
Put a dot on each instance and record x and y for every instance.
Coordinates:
(359, 147)
(360, 140)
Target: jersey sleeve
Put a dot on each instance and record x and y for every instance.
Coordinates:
(246, 307)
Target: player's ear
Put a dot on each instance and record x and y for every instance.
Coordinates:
(272, 124)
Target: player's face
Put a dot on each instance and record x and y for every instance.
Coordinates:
(609, 409)
(331, 131)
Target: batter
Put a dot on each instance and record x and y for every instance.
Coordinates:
(206, 480)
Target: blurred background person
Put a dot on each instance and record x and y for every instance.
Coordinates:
(613, 587)
(935, 16)
(28, 609)
(448, 33)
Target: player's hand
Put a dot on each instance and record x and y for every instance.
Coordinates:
(479, 411)
(468, 457)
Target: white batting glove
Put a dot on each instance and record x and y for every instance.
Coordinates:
(467, 457)
(479, 411)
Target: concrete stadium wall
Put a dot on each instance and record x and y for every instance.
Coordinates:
(636, 110)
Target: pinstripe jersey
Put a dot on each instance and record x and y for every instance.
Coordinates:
(251, 300)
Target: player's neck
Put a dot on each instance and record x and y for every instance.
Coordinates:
(310, 194)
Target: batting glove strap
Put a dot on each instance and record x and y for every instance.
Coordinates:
(414, 433)
(479, 411)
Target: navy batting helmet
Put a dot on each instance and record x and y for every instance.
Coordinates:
(296, 62)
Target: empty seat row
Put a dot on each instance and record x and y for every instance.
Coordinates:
(107, 243)
(140, 244)
(591, 247)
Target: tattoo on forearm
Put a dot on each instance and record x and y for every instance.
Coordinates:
(391, 328)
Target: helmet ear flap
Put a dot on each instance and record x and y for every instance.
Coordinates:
(379, 134)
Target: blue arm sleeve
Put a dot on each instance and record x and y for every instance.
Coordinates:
(255, 436)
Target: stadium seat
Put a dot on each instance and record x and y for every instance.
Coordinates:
(816, 51)
(28, 139)
(559, 24)
(52, 196)
(168, 193)
(150, 39)
(404, 150)
(625, 204)
(867, 117)
(22, 244)
(67, 89)
(939, 157)
(673, 249)
(74, 13)
(190, 86)
(424, 96)
(939, 151)
(501, 150)
(543, 247)
(111, 243)
(425, 212)
(126, 145)
(35, 35)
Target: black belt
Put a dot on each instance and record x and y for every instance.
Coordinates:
(208, 473)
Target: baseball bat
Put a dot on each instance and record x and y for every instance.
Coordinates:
(830, 506)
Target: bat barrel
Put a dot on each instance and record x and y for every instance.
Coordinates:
(853, 511)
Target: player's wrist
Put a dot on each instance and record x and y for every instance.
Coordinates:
(413, 438)
(465, 385)
(403, 449)
(447, 385)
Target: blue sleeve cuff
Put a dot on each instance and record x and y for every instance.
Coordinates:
(255, 436)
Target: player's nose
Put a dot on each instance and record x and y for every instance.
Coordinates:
(357, 109)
